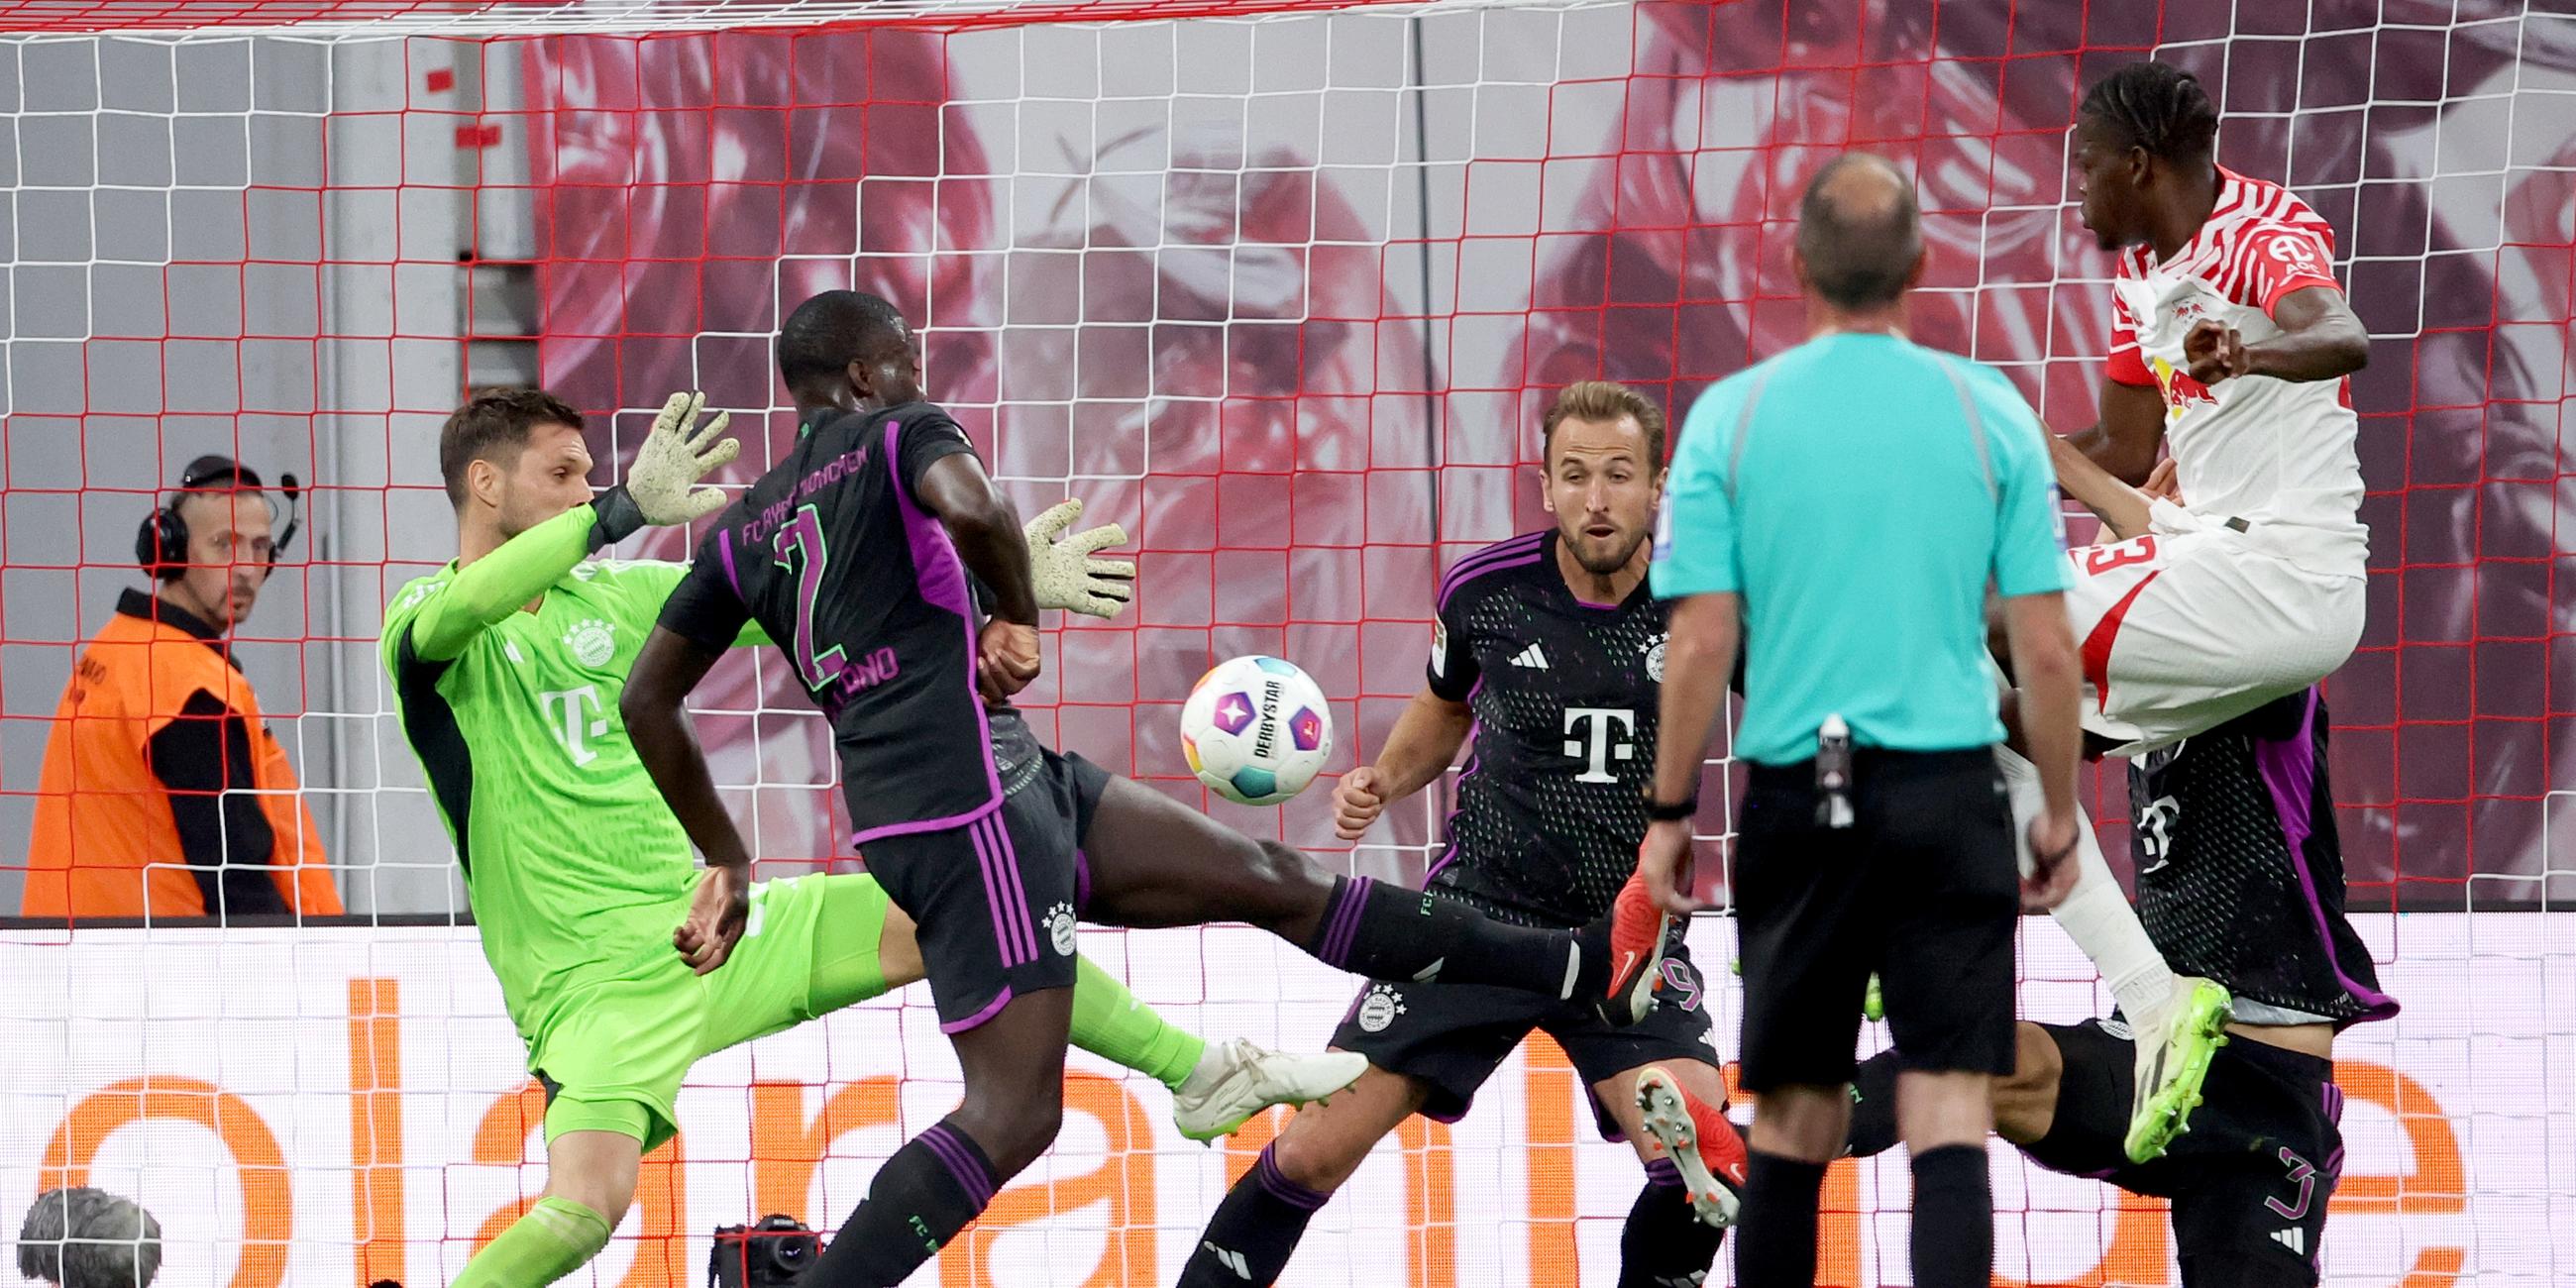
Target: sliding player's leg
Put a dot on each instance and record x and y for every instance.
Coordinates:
(1154, 862)
(1254, 1231)
(2026, 1104)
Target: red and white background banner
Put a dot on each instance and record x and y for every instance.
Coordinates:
(340, 1106)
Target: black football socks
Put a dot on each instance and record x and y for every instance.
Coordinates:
(1388, 932)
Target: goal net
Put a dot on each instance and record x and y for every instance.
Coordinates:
(1282, 286)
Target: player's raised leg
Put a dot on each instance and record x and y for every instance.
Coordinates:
(2183, 1016)
(1155, 862)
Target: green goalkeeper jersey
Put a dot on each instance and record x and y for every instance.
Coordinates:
(577, 870)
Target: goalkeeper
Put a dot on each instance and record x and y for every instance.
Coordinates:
(507, 665)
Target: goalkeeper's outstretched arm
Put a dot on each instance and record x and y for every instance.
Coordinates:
(491, 588)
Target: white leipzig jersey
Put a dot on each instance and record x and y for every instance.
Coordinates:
(2275, 453)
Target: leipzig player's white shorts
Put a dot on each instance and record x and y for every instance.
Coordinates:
(2195, 623)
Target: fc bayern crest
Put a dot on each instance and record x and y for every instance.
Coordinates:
(1379, 1008)
(1655, 660)
(592, 641)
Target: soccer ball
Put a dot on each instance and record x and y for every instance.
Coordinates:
(1256, 729)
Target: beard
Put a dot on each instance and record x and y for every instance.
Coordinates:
(1602, 558)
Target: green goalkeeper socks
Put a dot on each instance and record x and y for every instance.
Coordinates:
(1110, 1023)
(555, 1238)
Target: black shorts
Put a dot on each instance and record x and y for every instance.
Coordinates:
(2249, 1181)
(1921, 889)
(1453, 1036)
(994, 902)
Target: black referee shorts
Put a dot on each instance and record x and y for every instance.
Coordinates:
(1921, 889)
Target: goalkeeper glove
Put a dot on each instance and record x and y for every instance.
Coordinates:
(1063, 572)
(660, 487)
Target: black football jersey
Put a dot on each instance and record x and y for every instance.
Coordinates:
(1551, 805)
(2240, 874)
(859, 585)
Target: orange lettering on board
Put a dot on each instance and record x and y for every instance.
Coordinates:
(787, 1149)
(1549, 1090)
(375, 1127)
(661, 1190)
(1124, 1182)
(268, 1200)
(2438, 1186)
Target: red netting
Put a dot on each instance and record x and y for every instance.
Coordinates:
(1283, 292)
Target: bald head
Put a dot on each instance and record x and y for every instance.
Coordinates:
(1860, 236)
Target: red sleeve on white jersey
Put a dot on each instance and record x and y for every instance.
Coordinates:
(2126, 365)
(2274, 259)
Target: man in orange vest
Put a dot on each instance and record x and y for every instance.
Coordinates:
(163, 793)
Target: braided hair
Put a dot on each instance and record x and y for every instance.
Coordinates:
(2156, 106)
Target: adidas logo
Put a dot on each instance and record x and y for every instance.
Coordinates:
(2294, 1238)
(1230, 1259)
(1532, 657)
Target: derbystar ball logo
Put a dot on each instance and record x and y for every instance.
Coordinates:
(1306, 730)
(1233, 712)
(1269, 738)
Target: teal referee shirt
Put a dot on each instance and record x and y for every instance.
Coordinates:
(1861, 492)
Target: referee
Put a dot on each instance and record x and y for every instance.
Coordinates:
(1848, 503)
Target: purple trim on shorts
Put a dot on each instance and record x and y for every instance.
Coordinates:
(1342, 920)
(1015, 893)
(941, 578)
(1006, 939)
(918, 826)
(1504, 565)
(724, 553)
(990, 1009)
(953, 1153)
(2332, 1095)
(1266, 1170)
(2289, 771)
(1664, 1172)
(1081, 881)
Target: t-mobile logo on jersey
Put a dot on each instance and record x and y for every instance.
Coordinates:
(575, 715)
(1599, 735)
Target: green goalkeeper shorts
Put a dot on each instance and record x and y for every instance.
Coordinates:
(614, 1056)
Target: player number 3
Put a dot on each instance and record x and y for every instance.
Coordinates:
(2101, 559)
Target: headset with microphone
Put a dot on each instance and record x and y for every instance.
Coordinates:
(161, 544)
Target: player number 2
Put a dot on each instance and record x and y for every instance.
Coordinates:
(799, 548)
(2101, 559)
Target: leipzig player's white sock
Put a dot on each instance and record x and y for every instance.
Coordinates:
(2097, 916)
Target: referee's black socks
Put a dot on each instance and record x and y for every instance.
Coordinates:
(1954, 1218)
(1388, 932)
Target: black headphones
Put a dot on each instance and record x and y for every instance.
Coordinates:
(161, 544)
